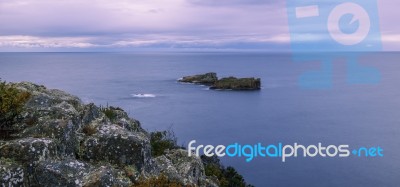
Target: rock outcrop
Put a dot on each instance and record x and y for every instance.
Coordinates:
(228, 83)
(63, 142)
(233, 83)
(187, 170)
(207, 79)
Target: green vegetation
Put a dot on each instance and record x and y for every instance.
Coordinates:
(12, 102)
(160, 181)
(130, 171)
(237, 84)
(110, 112)
(89, 130)
(227, 177)
(161, 141)
(208, 78)
(4, 161)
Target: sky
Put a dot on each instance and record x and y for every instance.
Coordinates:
(124, 25)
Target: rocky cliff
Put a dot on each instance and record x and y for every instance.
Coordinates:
(59, 141)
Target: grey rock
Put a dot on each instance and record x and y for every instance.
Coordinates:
(91, 113)
(105, 176)
(176, 164)
(63, 131)
(77, 173)
(11, 174)
(122, 119)
(61, 173)
(117, 145)
(29, 150)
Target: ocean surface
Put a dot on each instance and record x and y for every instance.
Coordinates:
(144, 84)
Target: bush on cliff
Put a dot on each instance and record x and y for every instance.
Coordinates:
(159, 181)
(226, 176)
(161, 141)
(110, 111)
(12, 102)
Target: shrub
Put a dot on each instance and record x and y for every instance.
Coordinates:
(89, 130)
(12, 101)
(161, 141)
(227, 177)
(130, 171)
(159, 181)
(110, 112)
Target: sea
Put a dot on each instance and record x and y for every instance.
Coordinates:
(145, 85)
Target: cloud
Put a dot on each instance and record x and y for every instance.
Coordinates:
(234, 2)
(63, 17)
(391, 38)
(44, 42)
(138, 23)
(170, 41)
(105, 23)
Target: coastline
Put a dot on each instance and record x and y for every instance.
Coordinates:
(62, 141)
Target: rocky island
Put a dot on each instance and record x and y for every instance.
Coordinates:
(51, 138)
(228, 83)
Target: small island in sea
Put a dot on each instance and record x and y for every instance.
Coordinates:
(226, 83)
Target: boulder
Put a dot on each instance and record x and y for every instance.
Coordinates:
(72, 172)
(29, 150)
(117, 145)
(105, 176)
(11, 173)
(64, 132)
(177, 165)
(67, 172)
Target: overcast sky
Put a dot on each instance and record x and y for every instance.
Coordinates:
(87, 25)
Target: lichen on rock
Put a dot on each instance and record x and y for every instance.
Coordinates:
(11, 174)
(176, 164)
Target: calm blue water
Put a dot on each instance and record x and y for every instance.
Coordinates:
(359, 115)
